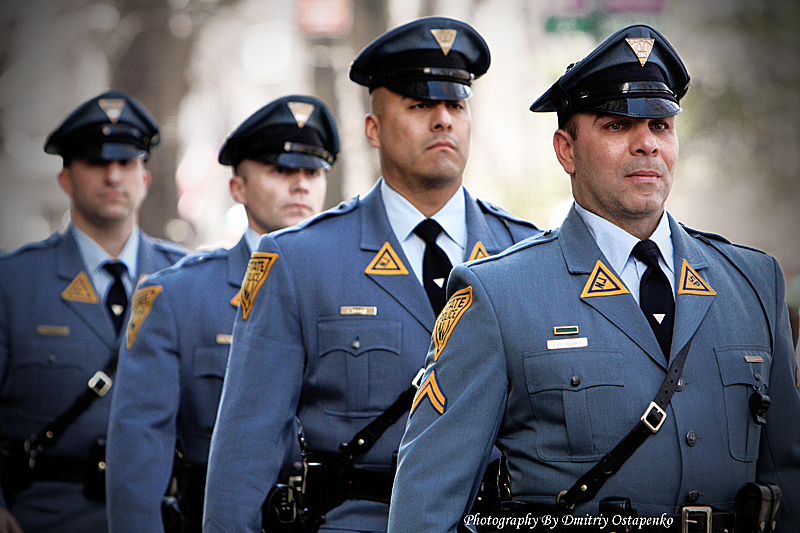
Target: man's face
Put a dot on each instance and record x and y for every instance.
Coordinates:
(622, 168)
(276, 197)
(105, 193)
(421, 142)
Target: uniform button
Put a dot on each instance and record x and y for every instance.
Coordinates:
(575, 381)
(757, 376)
(691, 438)
(356, 344)
(692, 496)
(679, 387)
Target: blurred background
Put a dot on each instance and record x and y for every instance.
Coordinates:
(203, 66)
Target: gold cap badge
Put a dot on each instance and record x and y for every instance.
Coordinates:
(642, 48)
(112, 107)
(301, 111)
(445, 39)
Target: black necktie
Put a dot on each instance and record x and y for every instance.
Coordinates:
(435, 264)
(117, 298)
(655, 295)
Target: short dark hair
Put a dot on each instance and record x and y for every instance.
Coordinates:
(570, 125)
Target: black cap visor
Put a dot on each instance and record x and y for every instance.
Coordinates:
(637, 107)
(431, 89)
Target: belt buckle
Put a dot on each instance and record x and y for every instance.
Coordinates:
(650, 408)
(688, 511)
(100, 383)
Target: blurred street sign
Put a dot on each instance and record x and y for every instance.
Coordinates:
(324, 18)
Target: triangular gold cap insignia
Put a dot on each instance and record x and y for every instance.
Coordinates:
(445, 38)
(691, 282)
(257, 271)
(141, 304)
(603, 282)
(301, 112)
(641, 47)
(387, 263)
(479, 252)
(81, 290)
(112, 107)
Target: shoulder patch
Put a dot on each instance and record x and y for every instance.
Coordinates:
(142, 303)
(81, 290)
(603, 282)
(448, 318)
(478, 252)
(691, 282)
(430, 390)
(386, 263)
(257, 271)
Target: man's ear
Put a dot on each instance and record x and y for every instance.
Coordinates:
(236, 186)
(563, 144)
(65, 180)
(372, 130)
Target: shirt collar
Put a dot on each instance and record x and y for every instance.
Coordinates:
(617, 244)
(404, 217)
(94, 257)
(251, 237)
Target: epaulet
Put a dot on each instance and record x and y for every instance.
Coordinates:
(188, 261)
(707, 237)
(169, 247)
(49, 242)
(344, 207)
(498, 211)
(534, 240)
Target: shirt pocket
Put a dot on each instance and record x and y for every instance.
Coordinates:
(743, 369)
(359, 361)
(578, 400)
(48, 375)
(208, 372)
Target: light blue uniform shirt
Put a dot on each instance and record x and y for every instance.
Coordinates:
(617, 245)
(404, 217)
(94, 257)
(251, 237)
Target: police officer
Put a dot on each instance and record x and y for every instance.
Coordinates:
(63, 302)
(335, 317)
(556, 348)
(172, 365)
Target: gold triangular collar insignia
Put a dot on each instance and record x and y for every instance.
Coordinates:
(112, 107)
(641, 47)
(692, 283)
(445, 39)
(603, 282)
(387, 263)
(237, 299)
(81, 290)
(301, 111)
(479, 252)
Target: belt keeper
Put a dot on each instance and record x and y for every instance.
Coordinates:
(100, 383)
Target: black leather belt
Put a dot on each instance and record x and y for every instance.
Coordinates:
(61, 468)
(362, 484)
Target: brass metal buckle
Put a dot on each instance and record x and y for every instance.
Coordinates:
(558, 499)
(100, 383)
(688, 511)
(646, 414)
